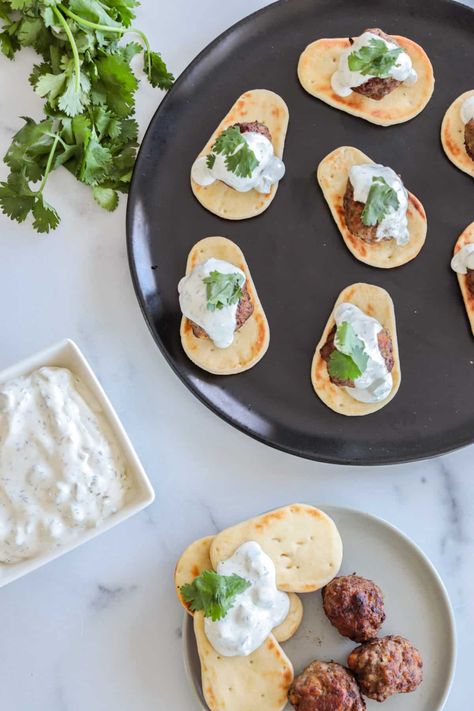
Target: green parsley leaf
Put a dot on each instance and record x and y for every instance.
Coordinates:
(374, 59)
(223, 289)
(347, 342)
(213, 593)
(380, 201)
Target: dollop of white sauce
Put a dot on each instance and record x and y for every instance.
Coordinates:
(467, 109)
(343, 80)
(463, 259)
(395, 223)
(219, 324)
(270, 168)
(376, 382)
(256, 610)
(61, 470)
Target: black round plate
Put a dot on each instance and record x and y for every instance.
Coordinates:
(296, 255)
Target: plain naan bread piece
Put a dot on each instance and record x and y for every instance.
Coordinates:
(255, 105)
(467, 237)
(259, 681)
(375, 302)
(320, 60)
(452, 135)
(250, 342)
(333, 173)
(302, 541)
(196, 558)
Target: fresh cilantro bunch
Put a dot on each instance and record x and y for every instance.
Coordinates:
(350, 360)
(89, 90)
(239, 158)
(380, 201)
(375, 59)
(223, 289)
(213, 593)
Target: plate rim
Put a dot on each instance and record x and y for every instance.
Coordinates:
(382, 459)
(332, 509)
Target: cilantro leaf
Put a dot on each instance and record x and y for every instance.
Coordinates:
(223, 289)
(243, 162)
(115, 85)
(375, 59)
(210, 160)
(228, 141)
(156, 70)
(347, 342)
(342, 367)
(105, 197)
(30, 147)
(239, 157)
(380, 201)
(45, 216)
(213, 593)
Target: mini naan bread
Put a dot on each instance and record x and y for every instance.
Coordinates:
(467, 237)
(333, 173)
(255, 105)
(452, 135)
(375, 302)
(320, 60)
(259, 681)
(250, 342)
(196, 558)
(302, 541)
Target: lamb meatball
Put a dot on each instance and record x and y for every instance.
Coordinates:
(378, 87)
(386, 349)
(325, 686)
(386, 666)
(470, 281)
(354, 606)
(469, 138)
(244, 312)
(255, 127)
(353, 217)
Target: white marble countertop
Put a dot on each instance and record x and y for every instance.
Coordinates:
(99, 629)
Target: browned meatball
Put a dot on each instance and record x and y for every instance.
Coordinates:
(386, 349)
(470, 280)
(387, 666)
(353, 217)
(244, 312)
(354, 606)
(255, 127)
(378, 87)
(469, 138)
(326, 686)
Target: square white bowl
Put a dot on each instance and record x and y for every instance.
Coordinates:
(66, 354)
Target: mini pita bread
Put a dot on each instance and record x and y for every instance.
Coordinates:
(196, 558)
(255, 105)
(467, 237)
(302, 541)
(333, 173)
(375, 302)
(452, 136)
(250, 342)
(261, 680)
(320, 60)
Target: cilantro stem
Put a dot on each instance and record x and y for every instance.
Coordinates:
(48, 164)
(72, 42)
(107, 28)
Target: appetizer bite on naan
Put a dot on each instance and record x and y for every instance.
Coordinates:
(381, 78)
(236, 175)
(244, 601)
(224, 329)
(356, 366)
(463, 264)
(381, 223)
(457, 132)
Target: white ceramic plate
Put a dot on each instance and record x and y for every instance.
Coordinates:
(67, 355)
(416, 603)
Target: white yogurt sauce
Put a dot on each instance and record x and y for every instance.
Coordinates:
(464, 259)
(219, 324)
(343, 80)
(270, 168)
(61, 471)
(256, 611)
(376, 382)
(467, 109)
(395, 223)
